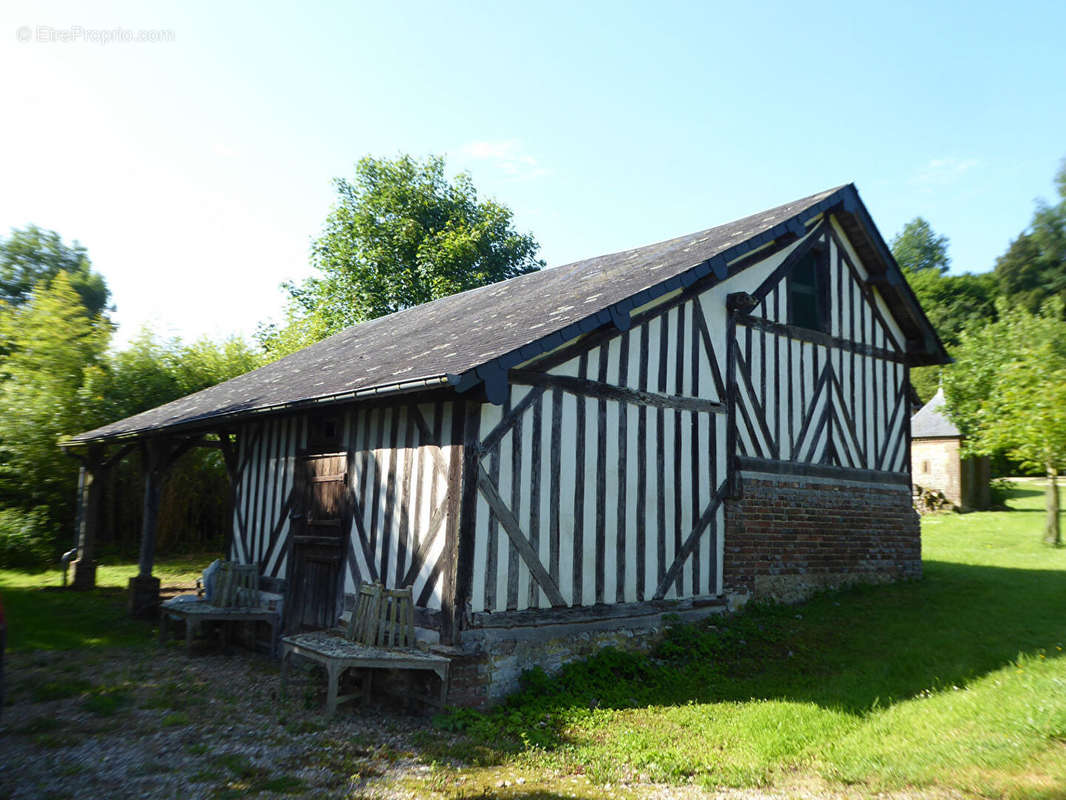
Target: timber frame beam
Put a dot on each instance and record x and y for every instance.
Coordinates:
(599, 390)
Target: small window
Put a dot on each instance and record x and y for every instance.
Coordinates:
(925, 467)
(808, 293)
(324, 433)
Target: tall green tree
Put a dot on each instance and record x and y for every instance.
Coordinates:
(1007, 393)
(194, 511)
(55, 339)
(953, 303)
(33, 256)
(919, 248)
(1034, 266)
(151, 371)
(400, 234)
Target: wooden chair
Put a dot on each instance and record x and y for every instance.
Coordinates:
(382, 618)
(236, 586)
(379, 635)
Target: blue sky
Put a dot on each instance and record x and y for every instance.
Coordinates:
(197, 170)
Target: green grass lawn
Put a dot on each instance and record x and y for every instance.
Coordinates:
(42, 616)
(955, 681)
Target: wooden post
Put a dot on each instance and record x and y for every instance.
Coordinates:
(228, 447)
(85, 564)
(449, 609)
(144, 588)
(462, 514)
(90, 486)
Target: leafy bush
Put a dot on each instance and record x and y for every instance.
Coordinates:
(26, 538)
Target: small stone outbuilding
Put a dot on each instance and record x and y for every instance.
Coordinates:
(937, 461)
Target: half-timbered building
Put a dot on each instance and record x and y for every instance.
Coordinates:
(674, 428)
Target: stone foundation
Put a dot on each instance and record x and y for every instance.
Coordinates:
(789, 537)
(491, 660)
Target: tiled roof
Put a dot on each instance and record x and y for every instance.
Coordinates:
(931, 422)
(459, 340)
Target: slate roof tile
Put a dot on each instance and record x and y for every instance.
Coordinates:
(457, 334)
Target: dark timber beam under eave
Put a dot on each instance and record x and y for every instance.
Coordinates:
(96, 462)
(607, 391)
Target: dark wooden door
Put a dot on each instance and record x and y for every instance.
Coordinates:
(319, 544)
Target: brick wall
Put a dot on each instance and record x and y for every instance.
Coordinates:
(788, 538)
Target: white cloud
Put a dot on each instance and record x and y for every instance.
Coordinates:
(507, 155)
(943, 171)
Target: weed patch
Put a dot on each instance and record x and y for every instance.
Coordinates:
(40, 725)
(250, 779)
(59, 690)
(106, 702)
(299, 727)
(283, 784)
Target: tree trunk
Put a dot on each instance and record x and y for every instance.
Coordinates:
(1052, 529)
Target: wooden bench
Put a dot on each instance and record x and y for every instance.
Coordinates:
(379, 635)
(236, 585)
(235, 598)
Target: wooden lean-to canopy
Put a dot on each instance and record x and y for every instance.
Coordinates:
(474, 337)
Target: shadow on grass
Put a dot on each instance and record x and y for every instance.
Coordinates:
(1017, 491)
(850, 651)
(62, 619)
(877, 645)
(1024, 494)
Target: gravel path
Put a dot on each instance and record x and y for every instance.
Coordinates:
(156, 723)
